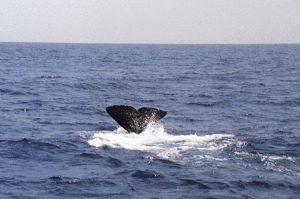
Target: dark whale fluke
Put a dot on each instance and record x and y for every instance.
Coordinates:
(132, 120)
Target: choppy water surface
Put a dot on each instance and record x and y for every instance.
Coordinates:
(232, 128)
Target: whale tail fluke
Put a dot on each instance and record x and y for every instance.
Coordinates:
(132, 120)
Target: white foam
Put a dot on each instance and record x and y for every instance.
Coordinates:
(269, 158)
(156, 140)
(272, 162)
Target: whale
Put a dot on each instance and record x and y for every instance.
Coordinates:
(132, 120)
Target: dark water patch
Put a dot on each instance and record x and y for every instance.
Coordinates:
(200, 96)
(290, 80)
(105, 127)
(107, 60)
(258, 184)
(284, 133)
(51, 77)
(210, 104)
(277, 141)
(289, 121)
(294, 102)
(56, 178)
(250, 115)
(88, 86)
(91, 156)
(146, 174)
(294, 187)
(18, 93)
(83, 182)
(257, 84)
(187, 119)
(277, 145)
(83, 187)
(115, 163)
(167, 163)
(218, 185)
(29, 150)
(60, 186)
(189, 182)
(261, 185)
(295, 144)
(125, 172)
(165, 185)
(82, 109)
(222, 78)
(5, 91)
(168, 93)
(287, 103)
(26, 143)
(106, 148)
(118, 85)
(36, 102)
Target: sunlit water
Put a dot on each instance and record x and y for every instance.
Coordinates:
(232, 128)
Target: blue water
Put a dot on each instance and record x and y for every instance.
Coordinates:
(232, 128)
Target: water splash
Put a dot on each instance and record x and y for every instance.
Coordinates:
(157, 141)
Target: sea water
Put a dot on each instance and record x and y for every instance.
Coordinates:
(232, 128)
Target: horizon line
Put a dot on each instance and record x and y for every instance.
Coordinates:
(111, 43)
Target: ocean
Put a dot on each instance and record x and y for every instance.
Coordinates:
(232, 128)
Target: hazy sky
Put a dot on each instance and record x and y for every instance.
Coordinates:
(150, 21)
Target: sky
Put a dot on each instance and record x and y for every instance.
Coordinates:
(151, 21)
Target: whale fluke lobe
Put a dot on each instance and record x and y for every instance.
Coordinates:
(132, 120)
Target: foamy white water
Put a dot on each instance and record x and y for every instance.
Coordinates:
(156, 140)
